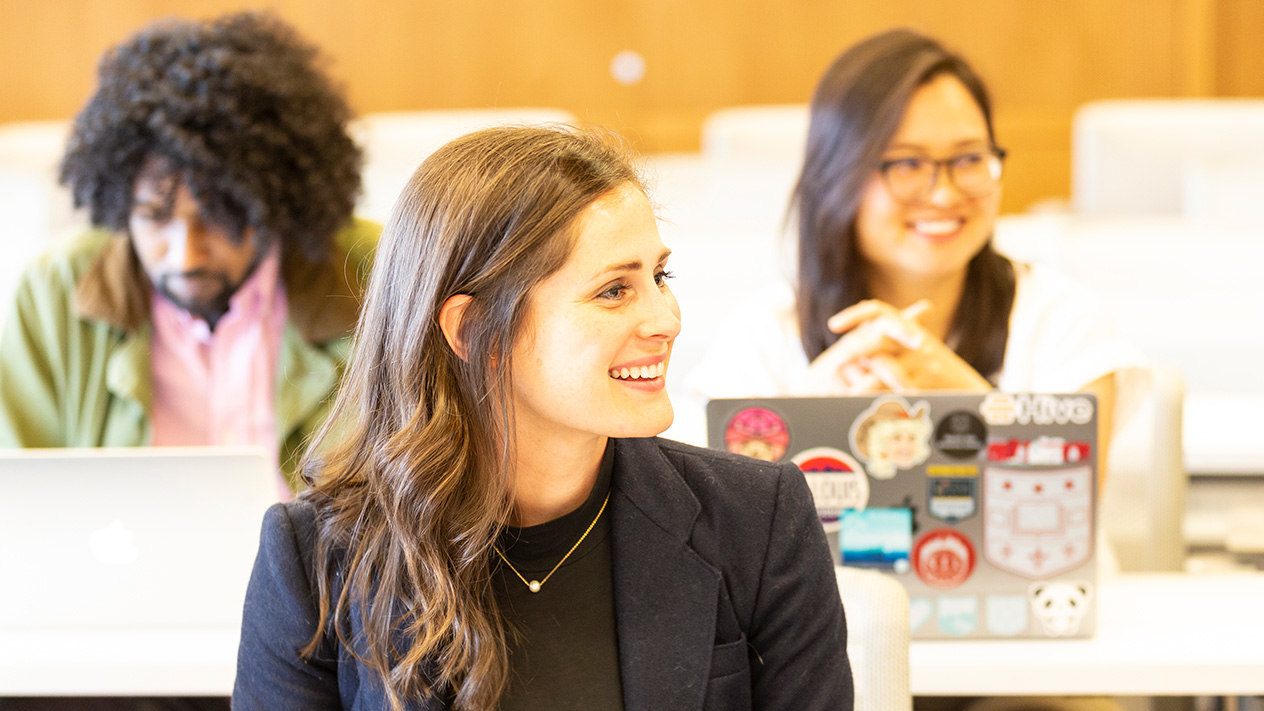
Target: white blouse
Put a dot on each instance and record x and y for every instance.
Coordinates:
(1060, 340)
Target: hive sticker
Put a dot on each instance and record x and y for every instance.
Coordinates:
(837, 481)
(892, 435)
(1007, 409)
(757, 432)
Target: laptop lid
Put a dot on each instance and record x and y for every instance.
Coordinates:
(981, 505)
(129, 538)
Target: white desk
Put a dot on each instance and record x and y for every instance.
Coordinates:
(118, 663)
(1158, 635)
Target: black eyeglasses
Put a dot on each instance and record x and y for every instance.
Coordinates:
(975, 174)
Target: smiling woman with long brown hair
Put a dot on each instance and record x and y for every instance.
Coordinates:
(491, 522)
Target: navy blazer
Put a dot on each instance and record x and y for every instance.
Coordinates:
(725, 595)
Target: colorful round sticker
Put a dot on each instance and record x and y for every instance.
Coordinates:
(943, 558)
(757, 432)
(837, 481)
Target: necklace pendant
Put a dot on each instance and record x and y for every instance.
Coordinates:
(534, 586)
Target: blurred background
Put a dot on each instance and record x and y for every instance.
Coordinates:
(1135, 131)
(680, 60)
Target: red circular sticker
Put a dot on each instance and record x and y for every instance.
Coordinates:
(757, 432)
(943, 558)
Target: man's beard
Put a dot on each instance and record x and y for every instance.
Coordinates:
(210, 307)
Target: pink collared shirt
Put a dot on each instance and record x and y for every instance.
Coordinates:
(219, 387)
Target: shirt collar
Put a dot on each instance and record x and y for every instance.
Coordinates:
(324, 297)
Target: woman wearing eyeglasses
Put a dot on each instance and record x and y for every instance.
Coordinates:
(899, 287)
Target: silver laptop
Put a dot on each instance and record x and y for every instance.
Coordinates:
(142, 538)
(982, 505)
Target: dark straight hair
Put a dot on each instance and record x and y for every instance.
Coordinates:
(855, 112)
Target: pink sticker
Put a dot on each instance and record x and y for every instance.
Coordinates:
(757, 432)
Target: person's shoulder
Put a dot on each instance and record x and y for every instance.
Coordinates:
(290, 524)
(358, 239)
(57, 271)
(712, 473)
(74, 254)
(1047, 281)
(1043, 290)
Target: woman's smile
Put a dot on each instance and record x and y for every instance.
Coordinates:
(641, 377)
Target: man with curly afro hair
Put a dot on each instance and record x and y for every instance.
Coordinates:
(213, 300)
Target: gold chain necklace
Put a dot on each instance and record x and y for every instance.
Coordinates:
(535, 585)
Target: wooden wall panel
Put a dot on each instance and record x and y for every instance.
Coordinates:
(1042, 58)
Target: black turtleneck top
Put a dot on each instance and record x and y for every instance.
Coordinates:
(563, 644)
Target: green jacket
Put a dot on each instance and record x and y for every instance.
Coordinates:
(74, 354)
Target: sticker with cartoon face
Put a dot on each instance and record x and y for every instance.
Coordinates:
(837, 481)
(1060, 606)
(1037, 522)
(943, 558)
(876, 538)
(892, 435)
(757, 432)
(961, 435)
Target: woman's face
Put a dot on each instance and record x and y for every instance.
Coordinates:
(599, 331)
(935, 236)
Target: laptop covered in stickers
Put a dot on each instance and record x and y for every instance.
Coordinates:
(982, 505)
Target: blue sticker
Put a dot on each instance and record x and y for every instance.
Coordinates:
(876, 538)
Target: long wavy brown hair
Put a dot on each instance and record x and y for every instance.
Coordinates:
(411, 477)
(855, 112)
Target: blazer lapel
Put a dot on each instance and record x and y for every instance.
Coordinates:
(665, 594)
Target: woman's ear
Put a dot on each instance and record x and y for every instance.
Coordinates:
(450, 316)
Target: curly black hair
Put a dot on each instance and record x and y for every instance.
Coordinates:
(238, 111)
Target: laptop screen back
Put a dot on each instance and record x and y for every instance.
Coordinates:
(136, 538)
(982, 505)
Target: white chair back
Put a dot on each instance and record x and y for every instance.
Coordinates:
(1199, 158)
(36, 209)
(877, 610)
(767, 134)
(396, 142)
(1142, 510)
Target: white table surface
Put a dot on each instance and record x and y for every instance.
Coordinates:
(1167, 634)
(116, 662)
(1162, 634)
